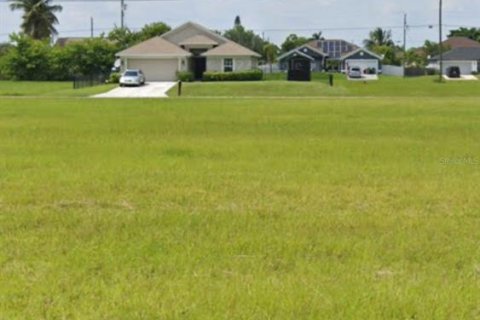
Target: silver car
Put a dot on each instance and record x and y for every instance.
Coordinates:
(355, 72)
(132, 77)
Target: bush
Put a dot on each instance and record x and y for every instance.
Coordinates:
(248, 75)
(114, 77)
(185, 76)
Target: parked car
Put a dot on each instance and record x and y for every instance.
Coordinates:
(453, 72)
(355, 72)
(133, 77)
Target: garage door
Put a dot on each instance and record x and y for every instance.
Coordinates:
(156, 69)
(465, 66)
(363, 64)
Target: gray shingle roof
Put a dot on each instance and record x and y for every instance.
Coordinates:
(461, 54)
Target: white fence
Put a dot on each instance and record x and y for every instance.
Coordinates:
(393, 70)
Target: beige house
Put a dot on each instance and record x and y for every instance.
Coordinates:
(189, 47)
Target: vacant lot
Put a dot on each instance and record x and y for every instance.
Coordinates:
(247, 209)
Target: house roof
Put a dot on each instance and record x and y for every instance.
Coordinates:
(211, 33)
(461, 42)
(349, 54)
(461, 54)
(230, 48)
(198, 40)
(156, 46)
(334, 48)
(298, 49)
(67, 40)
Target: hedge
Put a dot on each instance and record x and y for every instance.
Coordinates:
(185, 76)
(248, 75)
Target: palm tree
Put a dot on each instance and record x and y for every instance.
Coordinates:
(379, 37)
(38, 17)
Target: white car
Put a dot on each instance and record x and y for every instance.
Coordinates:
(132, 77)
(355, 72)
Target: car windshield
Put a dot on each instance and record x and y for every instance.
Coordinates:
(131, 74)
(356, 69)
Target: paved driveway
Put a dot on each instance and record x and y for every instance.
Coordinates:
(149, 90)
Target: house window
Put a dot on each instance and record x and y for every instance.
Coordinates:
(227, 65)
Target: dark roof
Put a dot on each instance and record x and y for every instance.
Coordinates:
(334, 48)
(305, 49)
(461, 54)
(461, 42)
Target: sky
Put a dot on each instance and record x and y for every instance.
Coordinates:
(350, 20)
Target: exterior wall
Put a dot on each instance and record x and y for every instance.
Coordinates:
(466, 67)
(188, 32)
(239, 63)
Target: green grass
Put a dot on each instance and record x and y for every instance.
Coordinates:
(240, 209)
(276, 86)
(48, 88)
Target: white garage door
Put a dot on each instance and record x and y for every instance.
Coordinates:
(156, 69)
(363, 64)
(465, 66)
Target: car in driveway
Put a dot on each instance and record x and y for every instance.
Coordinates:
(453, 72)
(355, 73)
(132, 77)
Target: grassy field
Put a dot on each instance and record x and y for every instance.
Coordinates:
(240, 209)
(276, 86)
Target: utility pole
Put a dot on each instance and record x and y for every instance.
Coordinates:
(405, 26)
(440, 38)
(123, 7)
(91, 27)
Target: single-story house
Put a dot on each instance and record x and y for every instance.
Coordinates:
(316, 57)
(189, 47)
(362, 58)
(325, 53)
(467, 59)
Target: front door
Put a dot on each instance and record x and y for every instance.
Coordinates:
(199, 67)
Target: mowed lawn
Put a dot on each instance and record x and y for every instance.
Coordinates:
(276, 86)
(336, 208)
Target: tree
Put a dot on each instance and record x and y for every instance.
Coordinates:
(38, 17)
(379, 37)
(123, 37)
(237, 22)
(293, 41)
(390, 54)
(471, 33)
(246, 38)
(270, 52)
(317, 36)
(152, 30)
(27, 59)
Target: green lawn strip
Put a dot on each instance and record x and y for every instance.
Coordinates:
(48, 88)
(385, 87)
(214, 209)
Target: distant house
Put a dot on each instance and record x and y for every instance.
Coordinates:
(467, 59)
(316, 57)
(362, 58)
(62, 42)
(460, 42)
(324, 54)
(189, 47)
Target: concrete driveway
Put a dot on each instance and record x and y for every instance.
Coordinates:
(149, 90)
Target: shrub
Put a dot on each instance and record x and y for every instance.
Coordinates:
(114, 77)
(185, 76)
(248, 75)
